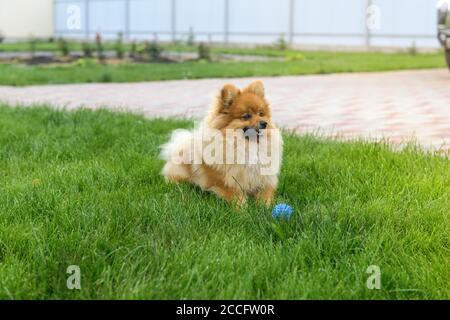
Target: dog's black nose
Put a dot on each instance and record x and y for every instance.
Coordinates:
(262, 124)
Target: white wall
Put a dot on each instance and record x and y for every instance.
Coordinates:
(315, 22)
(25, 18)
(419, 18)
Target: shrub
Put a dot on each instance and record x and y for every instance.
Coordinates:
(119, 46)
(153, 50)
(281, 43)
(295, 57)
(32, 42)
(2, 37)
(63, 47)
(84, 63)
(99, 46)
(106, 77)
(133, 49)
(413, 49)
(204, 52)
(191, 37)
(87, 49)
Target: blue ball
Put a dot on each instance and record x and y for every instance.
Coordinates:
(282, 210)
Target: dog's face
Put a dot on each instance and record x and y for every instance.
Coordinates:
(245, 110)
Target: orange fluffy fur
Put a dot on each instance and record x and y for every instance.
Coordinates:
(233, 109)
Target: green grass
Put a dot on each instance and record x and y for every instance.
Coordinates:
(300, 64)
(83, 188)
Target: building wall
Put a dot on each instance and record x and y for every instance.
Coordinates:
(399, 23)
(24, 18)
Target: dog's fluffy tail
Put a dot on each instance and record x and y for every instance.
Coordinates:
(178, 155)
(179, 142)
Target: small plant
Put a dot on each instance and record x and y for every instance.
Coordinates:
(141, 48)
(106, 77)
(133, 49)
(413, 49)
(2, 37)
(295, 57)
(32, 42)
(281, 43)
(119, 46)
(153, 50)
(63, 47)
(99, 47)
(83, 62)
(191, 37)
(87, 49)
(204, 52)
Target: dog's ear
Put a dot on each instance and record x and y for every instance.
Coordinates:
(228, 95)
(256, 87)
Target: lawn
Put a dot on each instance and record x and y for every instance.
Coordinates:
(296, 63)
(83, 188)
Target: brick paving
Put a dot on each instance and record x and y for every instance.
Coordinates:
(399, 106)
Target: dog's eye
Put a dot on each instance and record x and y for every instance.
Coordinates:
(247, 116)
(261, 114)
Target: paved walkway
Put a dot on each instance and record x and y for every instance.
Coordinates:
(396, 105)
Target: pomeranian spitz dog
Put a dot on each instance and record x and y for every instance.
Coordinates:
(235, 152)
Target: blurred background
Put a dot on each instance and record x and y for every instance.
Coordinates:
(355, 24)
